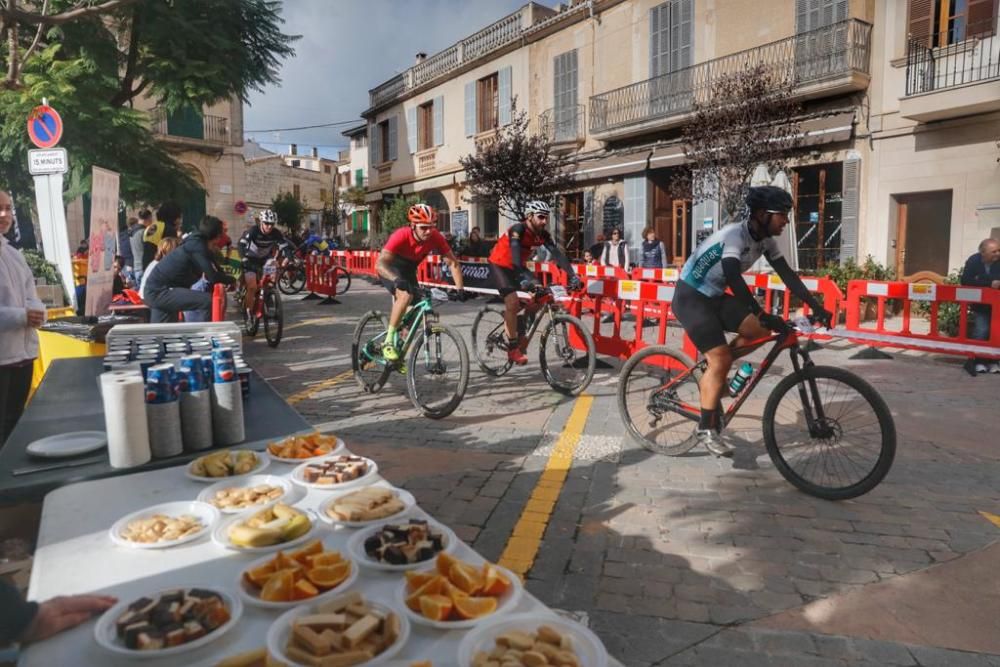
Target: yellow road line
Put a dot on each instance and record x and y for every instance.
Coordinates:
(523, 545)
(311, 391)
(312, 322)
(992, 518)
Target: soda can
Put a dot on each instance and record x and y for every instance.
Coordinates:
(160, 384)
(207, 369)
(243, 372)
(145, 365)
(223, 371)
(184, 380)
(196, 379)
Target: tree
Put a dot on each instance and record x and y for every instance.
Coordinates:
(355, 196)
(749, 119)
(94, 59)
(394, 215)
(289, 210)
(515, 169)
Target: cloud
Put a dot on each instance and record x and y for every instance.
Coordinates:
(348, 47)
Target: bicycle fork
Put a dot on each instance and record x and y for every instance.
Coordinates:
(812, 406)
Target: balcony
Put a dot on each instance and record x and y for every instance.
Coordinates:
(563, 127)
(820, 63)
(189, 129)
(426, 161)
(486, 138)
(384, 172)
(955, 80)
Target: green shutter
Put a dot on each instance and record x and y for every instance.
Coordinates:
(364, 221)
(186, 122)
(359, 178)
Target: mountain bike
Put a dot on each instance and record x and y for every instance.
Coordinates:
(567, 354)
(268, 308)
(433, 357)
(828, 432)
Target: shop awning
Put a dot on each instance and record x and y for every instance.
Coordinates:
(828, 129)
(613, 165)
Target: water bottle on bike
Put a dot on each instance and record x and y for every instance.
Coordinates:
(739, 380)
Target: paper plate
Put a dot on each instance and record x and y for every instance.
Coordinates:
(340, 448)
(107, 638)
(356, 548)
(589, 650)
(505, 604)
(291, 494)
(252, 596)
(221, 534)
(64, 445)
(263, 461)
(208, 515)
(405, 496)
(364, 480)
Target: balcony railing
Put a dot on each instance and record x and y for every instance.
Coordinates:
(563, 124)
(210, 130)
(971, 56)
(426, 161)
(388, 91)
(807, 58)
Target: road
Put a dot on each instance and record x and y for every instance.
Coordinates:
(689, 560)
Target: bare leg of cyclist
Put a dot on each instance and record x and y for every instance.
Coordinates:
(512, 306)
(712, 384)
(251, 299)
(400, 303)
(750, 330)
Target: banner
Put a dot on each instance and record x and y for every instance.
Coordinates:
(460, 224)
(103, 241)
(473, 274)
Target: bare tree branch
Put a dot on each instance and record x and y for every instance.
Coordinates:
(38, 34)
(77, 12)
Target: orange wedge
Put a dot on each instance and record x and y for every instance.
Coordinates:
(303, 590)
(472, 607)
(453, 591)
(324, 559)
(416, 579)
(435, 607)
(444, 563)
(279, 587)
(258, 576)
(328, 577)
(311, 549)
(494, 582)
(433, 587)
(283, 561)
(466, 578)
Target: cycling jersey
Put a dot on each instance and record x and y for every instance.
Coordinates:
(703, 269)
(255, 244)
(404, 245)
(529, 240)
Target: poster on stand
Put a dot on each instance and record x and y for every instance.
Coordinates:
(103, 241)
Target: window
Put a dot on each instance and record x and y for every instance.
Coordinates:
(671, 48)
(296, 191)
(944, 22)
(490, 222)
(383, 143)
(488, 103)
(326, 169)
(425, 126)
(564, 96)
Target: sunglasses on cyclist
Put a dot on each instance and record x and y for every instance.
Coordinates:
(543, 216)
(266, 224)
(425, 228)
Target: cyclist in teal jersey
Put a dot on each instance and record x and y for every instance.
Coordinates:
(707, 312)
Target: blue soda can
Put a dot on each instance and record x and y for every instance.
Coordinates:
(207, 369)
(184, 376)
(223, 365)
(145, 365)
(159, 384)
(192, 363)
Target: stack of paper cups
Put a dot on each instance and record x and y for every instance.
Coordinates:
(163, 413)
(125, 419)
(196, 407)
(227, 399)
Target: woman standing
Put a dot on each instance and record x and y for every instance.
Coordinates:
(615, 252)
(654, 253)
(21, 312)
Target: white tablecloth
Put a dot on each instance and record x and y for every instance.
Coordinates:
(75, 555)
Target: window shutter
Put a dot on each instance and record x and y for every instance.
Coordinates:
(374, 154)
(982, 16)
(393, 136)
(657, 39)
(504, 86)
(411, 129)
(849, 210)
(802, 22)
(921, 21)
(681, 34)
(470, 108)
(439, 120)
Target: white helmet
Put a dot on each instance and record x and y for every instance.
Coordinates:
(268, 216)
(536, 206)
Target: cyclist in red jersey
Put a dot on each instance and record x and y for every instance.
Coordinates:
(508, 272)
(398, 261)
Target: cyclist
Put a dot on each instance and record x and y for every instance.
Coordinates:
(706, 312)
(398, 261)
(508, 272)
(258, 244)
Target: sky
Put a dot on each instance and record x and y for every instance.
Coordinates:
(348, 47)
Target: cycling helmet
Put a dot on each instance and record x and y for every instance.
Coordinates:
(536, 206)
(422, 214)
(769, 198)
(269, 217)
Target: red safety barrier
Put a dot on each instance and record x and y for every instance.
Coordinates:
(774, 290)
(320, 275)
(219, 303)
(667, 275)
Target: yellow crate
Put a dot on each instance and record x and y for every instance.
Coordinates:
(53, 345)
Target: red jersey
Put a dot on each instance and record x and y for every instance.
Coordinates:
(404, 244)
(529, 241)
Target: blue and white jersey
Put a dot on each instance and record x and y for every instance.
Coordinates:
(703, 270)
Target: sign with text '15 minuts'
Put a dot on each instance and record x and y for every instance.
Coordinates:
(43, 161)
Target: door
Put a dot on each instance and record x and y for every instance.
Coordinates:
(923, 233)
(663, 212)
(682, 243)
(572, 229)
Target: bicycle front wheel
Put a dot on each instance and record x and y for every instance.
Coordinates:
(292, 279)
(658, 402)
(437, 371)
(489, 340)
(567, 354)
(274, 316)
(343, 280)
(370, 369)
(829, 433)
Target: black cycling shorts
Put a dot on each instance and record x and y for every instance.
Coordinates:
(505, 280)
(706, 319)
(406, 271)
(254, 265)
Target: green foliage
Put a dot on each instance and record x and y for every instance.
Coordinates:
(394, 216)
(289, 210)
(850, 270)
(354, 195)
(948, 312)
(42, 268)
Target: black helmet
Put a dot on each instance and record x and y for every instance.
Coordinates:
(769, 198)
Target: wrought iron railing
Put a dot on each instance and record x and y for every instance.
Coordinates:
(563, 124)
(214, 129)
(944, 60)
(803, 59)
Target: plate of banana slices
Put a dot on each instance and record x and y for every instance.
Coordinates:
(227, 463)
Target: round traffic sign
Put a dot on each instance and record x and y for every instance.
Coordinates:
(240, 207)
(45, 127)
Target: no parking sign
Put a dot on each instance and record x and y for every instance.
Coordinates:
(45, 126)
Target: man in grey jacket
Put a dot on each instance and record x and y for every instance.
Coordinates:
(135, 242)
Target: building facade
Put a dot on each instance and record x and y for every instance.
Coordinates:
(356, 214)
(309, 177)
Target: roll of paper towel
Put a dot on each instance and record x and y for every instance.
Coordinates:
(196, 419)
(164, 421)
(227, 413)
(124, 397)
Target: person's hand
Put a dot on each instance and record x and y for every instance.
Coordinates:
(61, 613)
(527, 284)
(823, 316)
(36, 318)
(995, 284)
(574, 283)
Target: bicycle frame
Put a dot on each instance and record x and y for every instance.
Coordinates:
(265, 280)
(416, 317)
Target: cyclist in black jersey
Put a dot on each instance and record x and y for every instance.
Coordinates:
(258, 244)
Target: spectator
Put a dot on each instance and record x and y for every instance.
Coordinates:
(21, 312)
(166, 246)
(27, 622)
(615, 252)
(588, 257)
(167, 223)
(475, 246)
(120, 281)
(654, 253)
(597, 248)
(136, 233)
(982, 270)
(82, 250)
(168, 287)
(125, 245)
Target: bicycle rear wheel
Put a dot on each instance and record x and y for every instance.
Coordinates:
(343, 280)
(489, 340)
(656, 400)
(829, 433)
(437, 371)
(370, 370)
(274, 316)
(292, 279)
(567, 368)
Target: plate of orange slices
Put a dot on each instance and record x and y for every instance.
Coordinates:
(289, 578)
(456, 594)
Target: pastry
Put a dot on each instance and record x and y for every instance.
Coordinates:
(367, 504)
(337, 470)
(171, 619)
(404, 543)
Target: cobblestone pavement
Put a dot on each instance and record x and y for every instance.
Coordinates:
(671, 560)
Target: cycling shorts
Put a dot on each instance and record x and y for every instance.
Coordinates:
(406, 271)
(706, 319)
(505, 280)
(254, 265)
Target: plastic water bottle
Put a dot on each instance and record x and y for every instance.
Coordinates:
(740, 379)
